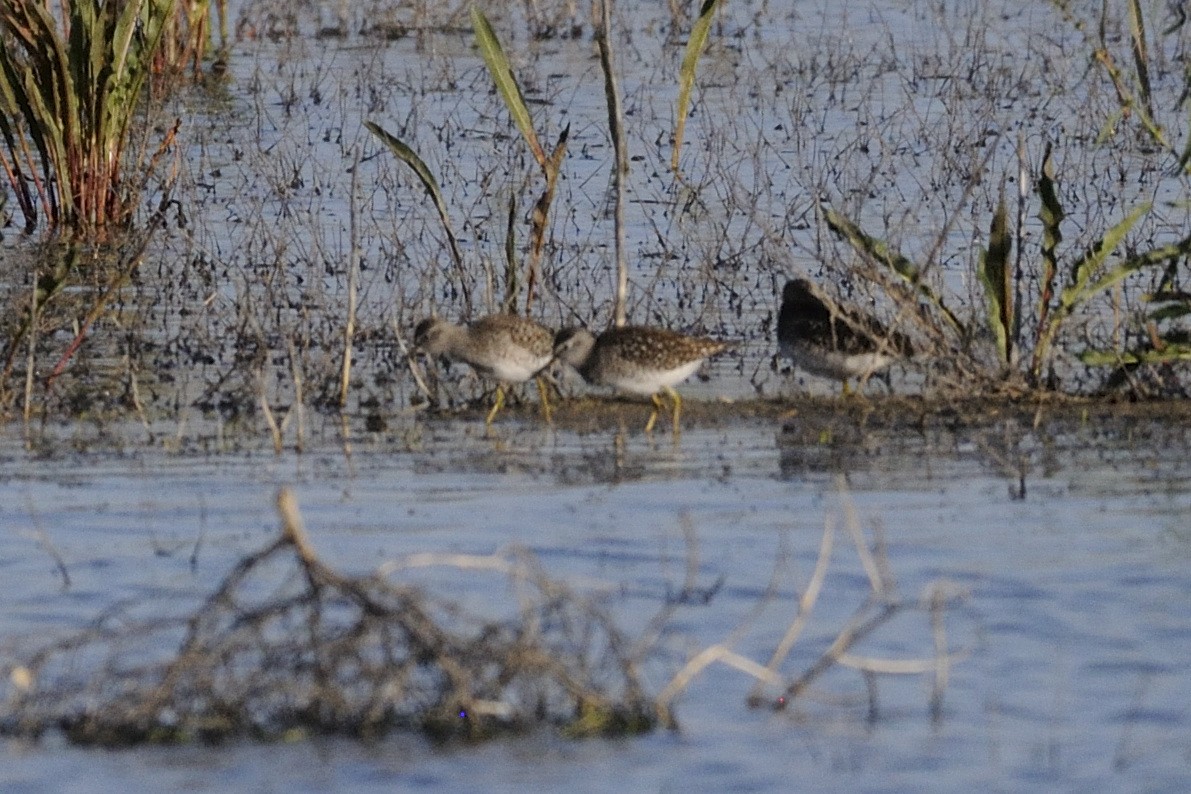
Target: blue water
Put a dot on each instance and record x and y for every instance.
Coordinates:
(1075, 646)
(1072, 631)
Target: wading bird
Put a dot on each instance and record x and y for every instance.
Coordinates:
(638, 360)
(834, 342)
(501, 347)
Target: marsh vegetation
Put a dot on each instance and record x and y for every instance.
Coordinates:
(1019, 220)
(231, 242)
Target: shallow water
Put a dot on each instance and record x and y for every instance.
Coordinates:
(1070, 541)
(1077, 646)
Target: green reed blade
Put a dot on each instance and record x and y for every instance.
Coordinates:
(1089, 266)
(879, 251)
(506, 83)
(1051, 215)
(1155, 256)
(1169, 306)
(1169, 354)
(408, 156)
(700, 32)
(994, 273)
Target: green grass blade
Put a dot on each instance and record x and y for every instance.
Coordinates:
(1051, 215)
(1169, 354)
(1089, 266)
(1141, 57)
(998, 287)
(506, 84)
(408, 156)
(879, 251)
(700, 32)
(1155, 256)
(1090, 278)
(1169, 306)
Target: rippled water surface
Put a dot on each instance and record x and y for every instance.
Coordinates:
(1067, 545)
(1076, 639)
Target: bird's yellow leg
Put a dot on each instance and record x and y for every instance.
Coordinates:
(677, 407)
(497, 403)
(658, 405)
(846, 390)
(544, 396)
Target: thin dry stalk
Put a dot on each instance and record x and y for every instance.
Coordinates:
(876, 611)
(29, 361)
(715, 653)
(293, 529)
(943, 660)
(806, 603)
(134, 391)
(299, 407)
(861, 625)
(620, 169)
(115, 284)
(876, 665)
(43, 540)
(353, 278)
(690, 592)
(411, 361)
(267, 412)
(876, 575)
(1023, 197)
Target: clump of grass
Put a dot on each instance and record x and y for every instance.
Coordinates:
(70, 89)
(1024, 359)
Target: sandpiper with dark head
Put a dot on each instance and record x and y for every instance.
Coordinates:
(638, 360)
(501, 347)
(831, 341)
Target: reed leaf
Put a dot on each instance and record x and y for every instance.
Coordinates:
(995, 275)
(1141, 57)
(1091, 264)
(1089, 277)
(506, 84)
(1168, 354)
(408, 156)
(871, 247)
(700, 32)
(1051, 215)
(879, 251)
(1155, 256)
(1170, 308)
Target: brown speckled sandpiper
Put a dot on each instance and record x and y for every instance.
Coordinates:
(834, 342)
(501, 347)
(638, 360)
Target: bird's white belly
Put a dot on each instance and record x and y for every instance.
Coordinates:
(514, 369)
(831, 364)
(650, 382)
